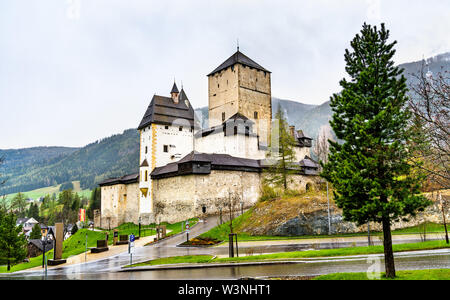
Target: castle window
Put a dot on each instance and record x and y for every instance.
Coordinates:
(218, 85)
(146, 149)
(166, 148)
(223, 116)
(166, 127)
(146, 175)
(181, 128)
(255, 115)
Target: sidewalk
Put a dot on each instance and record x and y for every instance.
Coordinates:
(89, 257)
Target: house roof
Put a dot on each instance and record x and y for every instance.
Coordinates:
(126, 179)
(241, 58)
(38, 243)
(163, 110)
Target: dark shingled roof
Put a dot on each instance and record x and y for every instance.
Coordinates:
(163, 110)
(131, 178)
(217, 162)
(240, 58)
(309, 162)
(182, 95)
(237, 119)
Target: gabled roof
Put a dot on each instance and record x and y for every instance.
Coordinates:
(238, 117)
(38, 244)
(240, 58)
(163, 110)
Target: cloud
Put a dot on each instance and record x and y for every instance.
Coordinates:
(75, 71)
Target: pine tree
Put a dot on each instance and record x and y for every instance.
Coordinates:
(12, 242)
(369, 170)
(36, 232)
(281, 156)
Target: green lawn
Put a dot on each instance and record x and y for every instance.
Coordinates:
(305, 254)
(41, 192)
(430, 274)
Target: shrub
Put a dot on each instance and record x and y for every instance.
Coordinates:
(268, 193)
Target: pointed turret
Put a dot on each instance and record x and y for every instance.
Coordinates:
(174, 93)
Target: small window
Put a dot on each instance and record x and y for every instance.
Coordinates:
(218, 85)
(223, 116)
(255, 115)
(166, 148)
(146, 175)
(181, 128)
(166, 127)
(146, 149)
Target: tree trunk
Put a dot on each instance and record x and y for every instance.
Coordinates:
(388, 253)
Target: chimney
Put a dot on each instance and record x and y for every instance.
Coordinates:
(292, 130)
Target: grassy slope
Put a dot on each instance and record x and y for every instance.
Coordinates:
(42, 192)
(272, 211)
(76, 244)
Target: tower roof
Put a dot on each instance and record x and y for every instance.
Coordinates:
(174, 88)
(240, 58)
(183, 96)
(162, 110)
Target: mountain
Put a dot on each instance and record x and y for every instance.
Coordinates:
(32, 168)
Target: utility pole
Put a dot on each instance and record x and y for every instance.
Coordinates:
(329, 215)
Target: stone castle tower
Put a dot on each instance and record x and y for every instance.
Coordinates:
(240, 85)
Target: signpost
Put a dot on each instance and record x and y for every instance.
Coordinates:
(187, 231)
(131, 247)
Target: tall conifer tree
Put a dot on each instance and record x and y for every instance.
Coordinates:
(369, 170)
(282, 155)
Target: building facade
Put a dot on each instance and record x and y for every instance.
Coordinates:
(185, 169)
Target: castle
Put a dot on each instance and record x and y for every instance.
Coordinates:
(186, 170)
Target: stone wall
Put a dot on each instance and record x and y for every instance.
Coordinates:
(182, 197)
(120, 204)
(316, 222)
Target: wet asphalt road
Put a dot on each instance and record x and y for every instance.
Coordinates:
(108, 268)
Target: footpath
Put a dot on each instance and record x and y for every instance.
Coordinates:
(89, 257)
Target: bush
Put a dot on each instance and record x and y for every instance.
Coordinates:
(268, 193)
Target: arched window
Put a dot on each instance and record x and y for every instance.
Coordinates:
(146, 175)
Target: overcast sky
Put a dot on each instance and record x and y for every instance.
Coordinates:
(75, 71)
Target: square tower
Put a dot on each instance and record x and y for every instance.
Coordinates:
(240, 85)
